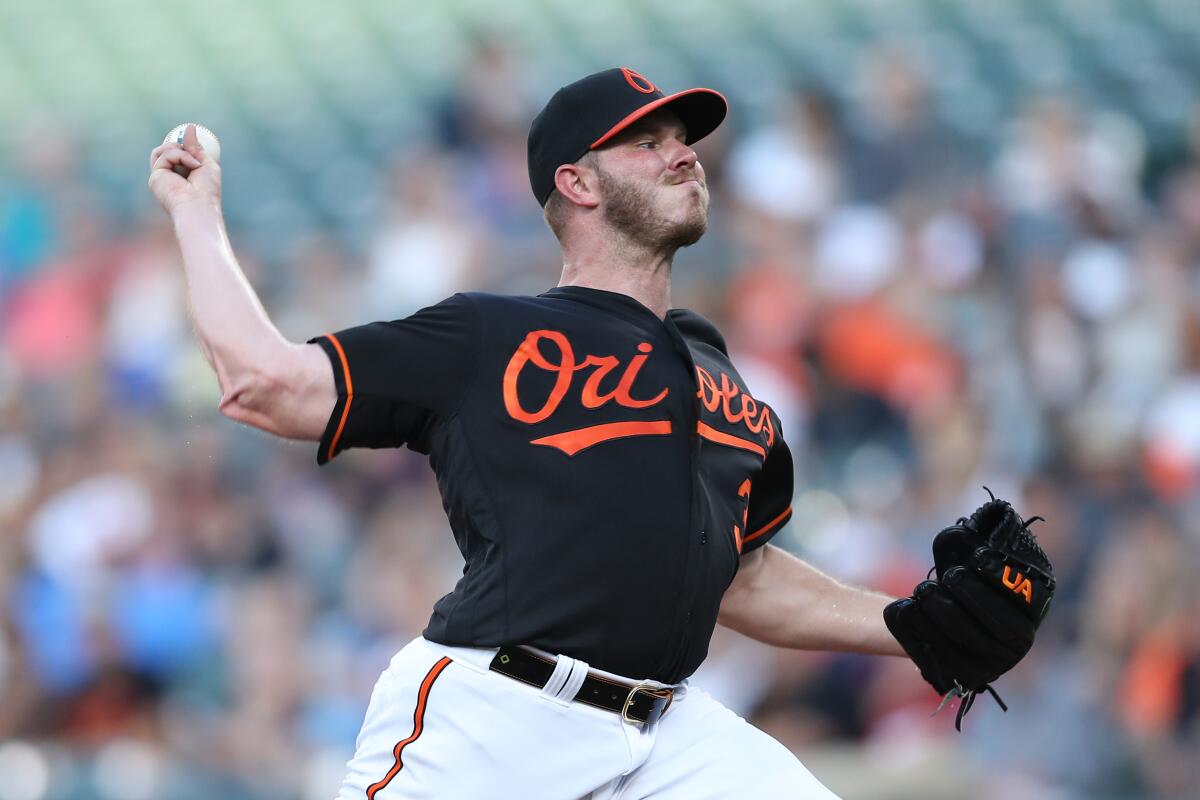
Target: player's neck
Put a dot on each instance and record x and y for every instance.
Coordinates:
(621, 267)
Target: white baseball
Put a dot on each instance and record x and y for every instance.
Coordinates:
(208, 140)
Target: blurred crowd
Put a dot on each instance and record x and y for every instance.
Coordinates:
(191, 609)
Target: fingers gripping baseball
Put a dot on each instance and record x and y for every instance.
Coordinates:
(169, 156)
(184, 172)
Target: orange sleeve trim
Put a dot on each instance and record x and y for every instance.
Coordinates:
(349, 396)
(418, 726)
(770, 526)
(720, 437)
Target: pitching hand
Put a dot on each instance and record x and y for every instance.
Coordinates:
(172, 190)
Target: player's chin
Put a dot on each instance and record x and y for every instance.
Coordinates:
(690, 228)
(690, 194)
(698, 195)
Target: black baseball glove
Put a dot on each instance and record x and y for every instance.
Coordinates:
(978, 619)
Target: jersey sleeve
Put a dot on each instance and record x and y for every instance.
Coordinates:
(394, 379)
(770, 498)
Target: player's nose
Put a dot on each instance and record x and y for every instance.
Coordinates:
(683, 158)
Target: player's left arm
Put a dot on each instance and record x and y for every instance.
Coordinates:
(784, 601)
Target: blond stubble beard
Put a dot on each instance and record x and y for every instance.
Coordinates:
(629, 208)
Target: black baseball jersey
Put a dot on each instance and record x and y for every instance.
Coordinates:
(602, 469)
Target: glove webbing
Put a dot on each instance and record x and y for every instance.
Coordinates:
(1025, 540)
(1026, 544)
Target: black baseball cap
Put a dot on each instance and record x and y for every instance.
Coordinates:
(585, 114)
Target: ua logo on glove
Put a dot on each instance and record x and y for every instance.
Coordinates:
(1020, 584)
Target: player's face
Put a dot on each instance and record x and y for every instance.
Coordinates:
(653, 186)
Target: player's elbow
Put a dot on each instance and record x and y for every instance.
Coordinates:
(248, 396)
(291, 395)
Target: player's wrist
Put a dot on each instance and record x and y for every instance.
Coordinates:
(200, 208)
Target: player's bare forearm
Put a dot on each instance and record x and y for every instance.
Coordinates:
(266, 381)
(784, 601)
(261, 374)
(231, 324)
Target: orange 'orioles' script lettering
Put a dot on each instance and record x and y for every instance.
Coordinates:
(565, 370)
(562, 364)
(754, 415)
(551, 352)
(1019, 584)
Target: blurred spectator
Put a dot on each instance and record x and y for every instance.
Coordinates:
(791, 168)
(429, 246)
(38, 197)
(488, 99)
(898, 148)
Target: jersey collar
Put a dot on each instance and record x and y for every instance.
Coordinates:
(605, 300)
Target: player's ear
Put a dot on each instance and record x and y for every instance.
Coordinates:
(579, 184)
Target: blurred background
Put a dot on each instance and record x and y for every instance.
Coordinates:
(953, 243)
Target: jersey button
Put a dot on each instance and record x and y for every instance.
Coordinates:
(703, 537)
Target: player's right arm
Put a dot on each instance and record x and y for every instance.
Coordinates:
(266, 381)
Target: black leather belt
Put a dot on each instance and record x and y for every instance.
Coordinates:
(635, 702)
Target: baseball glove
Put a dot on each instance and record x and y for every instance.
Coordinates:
(978, 619)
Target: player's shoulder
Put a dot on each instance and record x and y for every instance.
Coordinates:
(695, 326)
(493, 300)
(494, 306)
(517, 306)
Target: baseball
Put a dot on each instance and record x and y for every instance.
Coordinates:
(208, 141)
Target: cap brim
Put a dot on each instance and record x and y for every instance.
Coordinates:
(700, 110)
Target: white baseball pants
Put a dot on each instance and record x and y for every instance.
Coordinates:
(441, 725)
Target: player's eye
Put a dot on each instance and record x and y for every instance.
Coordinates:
(648, 143)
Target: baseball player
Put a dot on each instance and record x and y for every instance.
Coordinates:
(611, 481)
